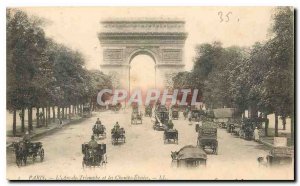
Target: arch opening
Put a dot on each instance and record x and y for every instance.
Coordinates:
(142, 72)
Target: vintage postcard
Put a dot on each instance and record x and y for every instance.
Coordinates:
(150, 93)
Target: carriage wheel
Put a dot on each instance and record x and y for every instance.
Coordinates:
(42, 155)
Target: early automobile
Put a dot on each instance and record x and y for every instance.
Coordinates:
(207, 138)
(189, 157)
(118, 136)
(93, 157)
(25, 150)
(136, 117)
(278, 156)
(171, 135)
(99, 131)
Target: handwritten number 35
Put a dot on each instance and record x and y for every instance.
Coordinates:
(226, 19)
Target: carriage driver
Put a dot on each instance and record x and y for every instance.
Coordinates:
(170, 124)
(98, 121)
(26, 137)
(117, 126)
(97, 124)
(93, 143)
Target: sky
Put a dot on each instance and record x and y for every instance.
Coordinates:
(77, 27)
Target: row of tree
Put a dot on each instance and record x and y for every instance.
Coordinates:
(43, 74)
(260, 78)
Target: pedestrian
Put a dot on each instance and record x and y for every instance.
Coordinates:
(60, 122)
(256, 134)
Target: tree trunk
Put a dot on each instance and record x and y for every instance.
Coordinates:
(69, 111)
(276, 124)
(22, 120)
(37, 117)
(63, 113)
(49, 121)
(266, 125)
(58, 112)
(253, 111)
(43, 118)
(53, 113)
(14, 123)
(47, 108)
(283, 123)
(30, 128)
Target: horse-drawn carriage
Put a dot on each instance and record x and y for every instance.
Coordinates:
(278, 156)
(118, 136)
(175, 114)
(24, 150)
(115, 107)
(196, 114)
(246, 128)
(207, 138)
(148, 111)
(99, 131)
(171, 134)
(136, 117)
(93, 157)
(189, 157)
(86, 111)
(161, 119)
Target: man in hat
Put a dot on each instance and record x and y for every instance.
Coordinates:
(93, 143)
(26, 137)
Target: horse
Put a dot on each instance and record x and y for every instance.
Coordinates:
(21, 153)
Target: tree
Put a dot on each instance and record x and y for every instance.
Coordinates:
(97, 81)
(25, 47)
(277, 88)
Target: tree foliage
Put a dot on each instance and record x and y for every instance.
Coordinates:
(43, 73)
(261, 76)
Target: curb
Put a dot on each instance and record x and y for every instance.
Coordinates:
(266, 143)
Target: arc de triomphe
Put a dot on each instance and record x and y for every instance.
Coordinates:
(122, 40)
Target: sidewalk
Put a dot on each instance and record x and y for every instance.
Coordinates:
(43, 130)
(269, 140)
